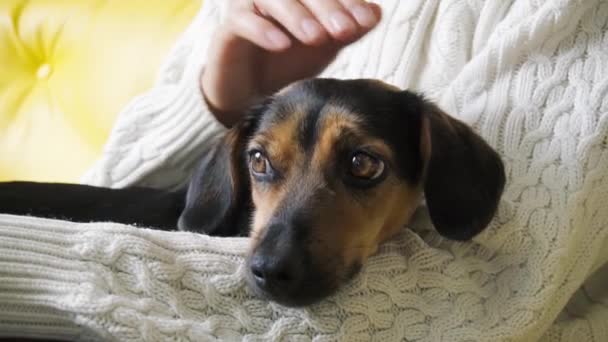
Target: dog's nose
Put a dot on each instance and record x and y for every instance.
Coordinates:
(276, 273)
(277, 265)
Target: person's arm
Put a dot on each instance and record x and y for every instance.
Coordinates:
(71, 281)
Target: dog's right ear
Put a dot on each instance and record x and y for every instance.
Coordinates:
(218, 201)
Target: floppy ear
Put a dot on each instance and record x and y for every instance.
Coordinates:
(464, 176)
(218, 201)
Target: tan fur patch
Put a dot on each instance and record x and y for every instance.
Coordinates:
(350, 230)
(279, 142)
(280, 146)
(266, 203)
(333, 124)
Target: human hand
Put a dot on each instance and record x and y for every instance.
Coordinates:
(266, 44)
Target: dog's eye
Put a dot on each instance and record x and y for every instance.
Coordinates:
(258, 163)
(366, 167)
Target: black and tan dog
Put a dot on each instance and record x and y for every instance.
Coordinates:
(317, 175)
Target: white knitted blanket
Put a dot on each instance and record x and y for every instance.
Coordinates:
(531, 76)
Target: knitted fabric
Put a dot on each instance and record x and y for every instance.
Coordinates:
(531, 76)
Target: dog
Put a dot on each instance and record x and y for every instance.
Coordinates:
(317, 175)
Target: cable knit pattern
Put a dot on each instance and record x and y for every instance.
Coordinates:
(530, 76)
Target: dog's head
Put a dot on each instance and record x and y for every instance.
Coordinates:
(331, 169)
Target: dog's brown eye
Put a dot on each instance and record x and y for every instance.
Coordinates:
(366, 167)
(259, 163)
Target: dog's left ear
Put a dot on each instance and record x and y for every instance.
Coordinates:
(464, 176)
(218, 201)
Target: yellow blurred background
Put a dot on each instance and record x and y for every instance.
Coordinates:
(67, 67)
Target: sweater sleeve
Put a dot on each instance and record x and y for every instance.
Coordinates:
(103, 281)
(155, 138)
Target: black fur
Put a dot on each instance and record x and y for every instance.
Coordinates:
(465, 178)
(81, 203)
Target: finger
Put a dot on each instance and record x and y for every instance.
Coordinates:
(334, 17)
(295, 18)
(366, 14)
(258, 30)
(377, 10)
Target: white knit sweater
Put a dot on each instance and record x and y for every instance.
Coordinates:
(531, 76)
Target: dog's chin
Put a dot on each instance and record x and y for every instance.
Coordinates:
(309, 293)
(304, 295)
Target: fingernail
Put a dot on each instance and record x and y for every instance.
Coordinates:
(311, 29)
(341, 23)
(277, 39)
(364, 15)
